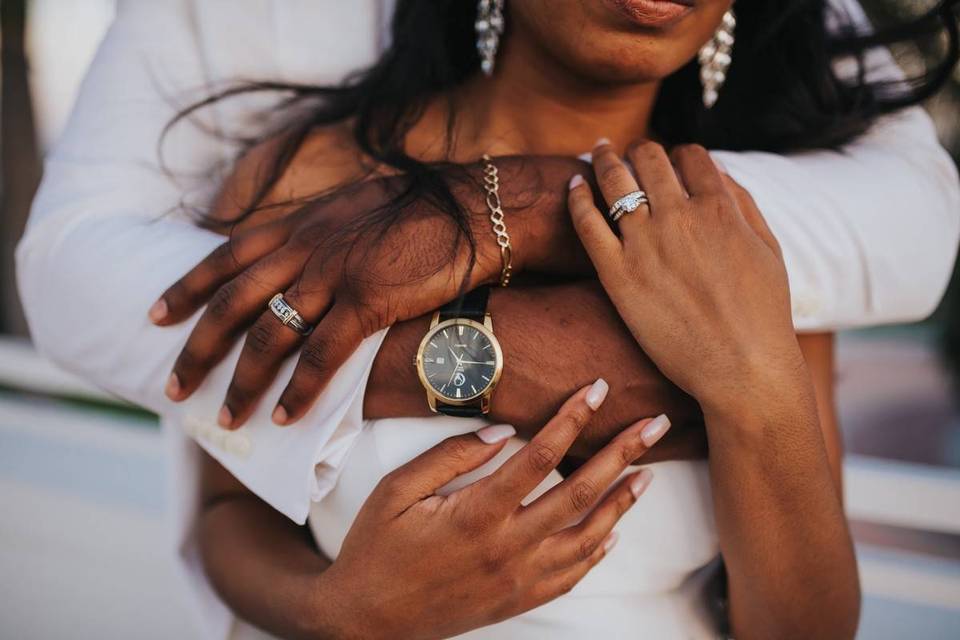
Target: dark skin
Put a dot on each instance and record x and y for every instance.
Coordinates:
(578, 315)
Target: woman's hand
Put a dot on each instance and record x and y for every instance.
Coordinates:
(696, 275)
(416, 564)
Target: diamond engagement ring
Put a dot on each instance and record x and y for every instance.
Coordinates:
(288, 315)
(628, 204)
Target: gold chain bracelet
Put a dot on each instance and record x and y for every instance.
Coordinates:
(491, 184)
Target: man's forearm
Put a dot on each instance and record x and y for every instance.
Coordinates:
(555, 340)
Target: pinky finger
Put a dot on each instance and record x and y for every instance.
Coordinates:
(577, 543)
(596, 235)
(562, 582)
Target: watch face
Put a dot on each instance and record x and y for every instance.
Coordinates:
(459, 360)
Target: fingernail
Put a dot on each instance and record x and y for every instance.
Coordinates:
(611, 541)
(172, 390)
(586, 157)
(158, 311)
(601, 141)
(279, 415)
(655, 430)
(640, 482)
(576, 181)
(496, 433)
(225, 417)
(597, 393)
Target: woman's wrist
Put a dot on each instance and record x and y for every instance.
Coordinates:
(332, 613)
(759, 397)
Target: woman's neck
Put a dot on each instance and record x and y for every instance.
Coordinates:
(532, 105)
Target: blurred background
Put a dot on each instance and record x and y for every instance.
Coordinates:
(83, 551)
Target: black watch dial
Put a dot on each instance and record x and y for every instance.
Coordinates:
(459, 361)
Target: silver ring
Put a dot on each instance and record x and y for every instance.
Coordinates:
(628, 204)
(288, 315)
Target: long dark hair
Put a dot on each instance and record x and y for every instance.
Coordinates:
(782, 92)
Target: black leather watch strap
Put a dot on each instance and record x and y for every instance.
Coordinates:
(472, 306)
(472, 410)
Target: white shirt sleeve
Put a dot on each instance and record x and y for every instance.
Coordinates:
(869, 232)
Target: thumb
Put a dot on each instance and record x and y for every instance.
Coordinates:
(421, 477)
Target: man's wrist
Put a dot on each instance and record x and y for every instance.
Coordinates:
(533, 194)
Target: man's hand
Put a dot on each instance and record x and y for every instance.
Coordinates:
(343, 269)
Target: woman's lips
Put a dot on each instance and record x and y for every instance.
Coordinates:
(652, 13)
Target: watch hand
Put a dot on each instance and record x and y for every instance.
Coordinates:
(457, 368)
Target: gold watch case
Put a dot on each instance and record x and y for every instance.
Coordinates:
(486, 328)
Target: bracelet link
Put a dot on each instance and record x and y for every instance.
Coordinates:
(491, 185)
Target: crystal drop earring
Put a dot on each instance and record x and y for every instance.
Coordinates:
(489, 27)
(715, 58)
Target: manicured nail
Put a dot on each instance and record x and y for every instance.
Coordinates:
(496, 433)
(600, 142)
(597, 393)
(654, 430)
(576, 181)
(611, 541)
(586, 157)
(640, 482)
(173, 387)
(158, 311)
(280, 416)
(224, 417)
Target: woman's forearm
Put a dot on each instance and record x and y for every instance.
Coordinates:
(263, 566)
(789, 559)
(555, 339)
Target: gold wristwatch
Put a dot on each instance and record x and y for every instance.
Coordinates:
(459, 361)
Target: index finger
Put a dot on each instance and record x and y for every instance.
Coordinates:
(221, 265)
(528, 467)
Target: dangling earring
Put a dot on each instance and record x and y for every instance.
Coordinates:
(715, 59)
(489, 28)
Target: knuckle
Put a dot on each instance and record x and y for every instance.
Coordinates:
(623, 503)
(454, 449)
(542, 458)
(626, 454)
(689, 151)
(261, 338)
(315, 354)
(576, 418)
(583, 494)
(388, 485)
(566, 585)
(611, 172)
(492, 560)
(587, 546)
(644, 149)
(221, 304)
